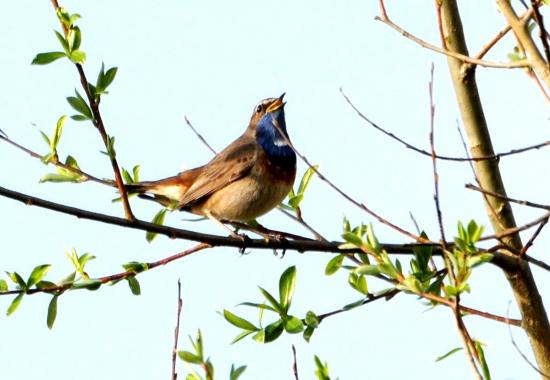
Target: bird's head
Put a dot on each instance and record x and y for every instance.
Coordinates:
(269, 126)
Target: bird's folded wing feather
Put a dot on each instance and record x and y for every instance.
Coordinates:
(231, 164)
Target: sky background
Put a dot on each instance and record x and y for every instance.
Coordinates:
(213, 61)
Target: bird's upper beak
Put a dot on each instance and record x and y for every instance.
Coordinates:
(278, 103)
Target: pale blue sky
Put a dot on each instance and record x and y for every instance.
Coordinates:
(212, 61)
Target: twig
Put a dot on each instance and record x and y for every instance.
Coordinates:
(300, 220)
(113, 277)
(294, 363)
(345, 195)
(543, 34)
(506, 65)
(515, 230)
(176, 333)
(86, 176)
(202, 139)
(533, 237)
(525, 358)
(506, 198)
(98, 123)
(497, 156)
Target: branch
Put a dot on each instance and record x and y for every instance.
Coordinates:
(464, 58)
(98, 123)
(496, 156)
(176, 333)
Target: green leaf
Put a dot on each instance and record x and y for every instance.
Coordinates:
(77, 56)
(322, 369)
(350, 237)
(273, 331)
(189, 357)
(308, 332)
(361, 285)
(271, 300)
(158, 219)
(241, 335)
(306, 178)
(238, 321)
(334, 264)
(235, 373)
(135, 170)
(80, 105)
(295, 201)
(287, 284)
(74, 38)
(63, 42)
(17, 279)
(312, 319)
(476, 260)
(88, 284)
(369, 270)
(293, 325)
(445, 356)
(45, 284)
(37, 274)
(45, 58)
(52, 312)
(3, 285)
(482, 361)
(261, 306)
(46, 138)
(57, 132)
(15, 304)
(135, 266)
(134, 285)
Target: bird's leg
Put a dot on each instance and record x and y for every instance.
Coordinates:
(209, 215)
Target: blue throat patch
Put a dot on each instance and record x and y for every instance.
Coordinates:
(271, 140)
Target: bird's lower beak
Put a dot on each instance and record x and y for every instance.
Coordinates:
(278, 103)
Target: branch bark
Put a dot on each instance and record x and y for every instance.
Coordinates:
(535, 320)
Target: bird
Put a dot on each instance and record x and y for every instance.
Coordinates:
(247, 179)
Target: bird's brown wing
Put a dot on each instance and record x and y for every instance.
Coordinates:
(234, 162)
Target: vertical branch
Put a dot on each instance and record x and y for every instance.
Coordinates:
(535, 319)
(98, 123)
(176, 333)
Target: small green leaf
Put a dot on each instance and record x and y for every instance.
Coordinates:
(15, 304)
(306, 178)
(45, 58)
(287, 283)
(271, 300)
(369, 270)
(134, 285)
(88, 284)
(308, 332)
(80, 105)
(350, 237)
(57, 132)
(45, 284)
(241, 335)
(312, 319)
(322, 369)
(52, 312)
(445, 356)
(476, 260)
(3, 285)
(17, 279)
(261, 306)
(77, 56)
(235, 373)
(37, 274)
(238, 321)
(63, 42)
(158, 219)
(334, 264)
(293, 325)
(361, 285)
(135, 266)
(482, 360)
(189, 357)
(273, 331)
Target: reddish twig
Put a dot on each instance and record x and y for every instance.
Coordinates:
(294, 363)
(506, 198)
(202, 139)
(533, 237)
(98, 123)
(176, 333)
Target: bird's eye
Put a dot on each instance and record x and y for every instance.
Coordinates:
(259, 109)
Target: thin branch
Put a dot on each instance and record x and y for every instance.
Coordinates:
(543, 34)
(506, 198)
(497, 156)
(300, 220)
(524, 357)
(345, 195)
(511, 231)
(202, 139)
(176, 333)
(294, 363)
(464, 58)
(111, 278)
(98, 123)
(533, 237)
(85, 176)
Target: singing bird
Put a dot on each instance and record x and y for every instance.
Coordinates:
(251, 176)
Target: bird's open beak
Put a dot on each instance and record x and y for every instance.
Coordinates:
(278, 103)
